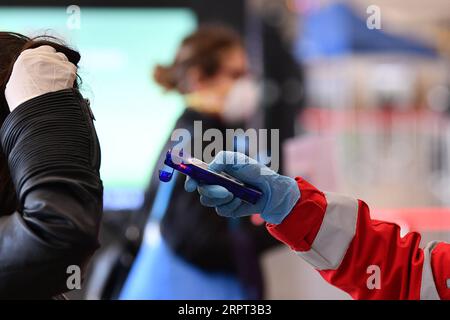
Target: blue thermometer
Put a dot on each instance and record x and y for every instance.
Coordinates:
(199, 171)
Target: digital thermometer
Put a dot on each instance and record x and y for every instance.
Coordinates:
(199, 171)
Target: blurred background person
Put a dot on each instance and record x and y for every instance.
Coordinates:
(201, 256)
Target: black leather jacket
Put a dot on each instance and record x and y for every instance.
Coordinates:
(54, 159)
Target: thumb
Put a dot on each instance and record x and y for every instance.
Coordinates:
(229, 161)
(239, 166)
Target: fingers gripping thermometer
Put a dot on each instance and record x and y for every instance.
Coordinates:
(199, 171)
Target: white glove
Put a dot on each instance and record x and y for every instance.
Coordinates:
(36, 72)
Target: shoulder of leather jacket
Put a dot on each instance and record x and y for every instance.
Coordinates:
(23, 108)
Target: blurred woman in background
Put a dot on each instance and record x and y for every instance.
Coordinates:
(209, 71)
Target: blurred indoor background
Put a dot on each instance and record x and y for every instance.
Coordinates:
(361, 111)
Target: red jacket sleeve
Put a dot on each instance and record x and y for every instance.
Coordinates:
(366, 258)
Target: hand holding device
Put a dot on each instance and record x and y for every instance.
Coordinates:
(36, 72)
(279, 193)
(199, 171)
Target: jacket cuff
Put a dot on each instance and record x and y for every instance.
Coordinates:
(299, 229)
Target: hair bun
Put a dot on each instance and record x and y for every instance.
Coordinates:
(164, 76)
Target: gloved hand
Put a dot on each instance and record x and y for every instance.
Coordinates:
(280, 193)
(36, 72)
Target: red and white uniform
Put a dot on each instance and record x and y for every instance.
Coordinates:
(366, 258)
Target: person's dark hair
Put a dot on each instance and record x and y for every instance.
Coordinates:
(11, 45)
(203, 49)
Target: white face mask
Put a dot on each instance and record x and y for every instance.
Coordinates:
(242, 101)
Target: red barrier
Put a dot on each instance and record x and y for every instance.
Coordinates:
(333, 121)
(417, 219)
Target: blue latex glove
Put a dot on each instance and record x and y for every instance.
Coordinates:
(280, 193)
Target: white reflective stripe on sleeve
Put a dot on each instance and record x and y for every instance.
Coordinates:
(335, 234)
(428, 289)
